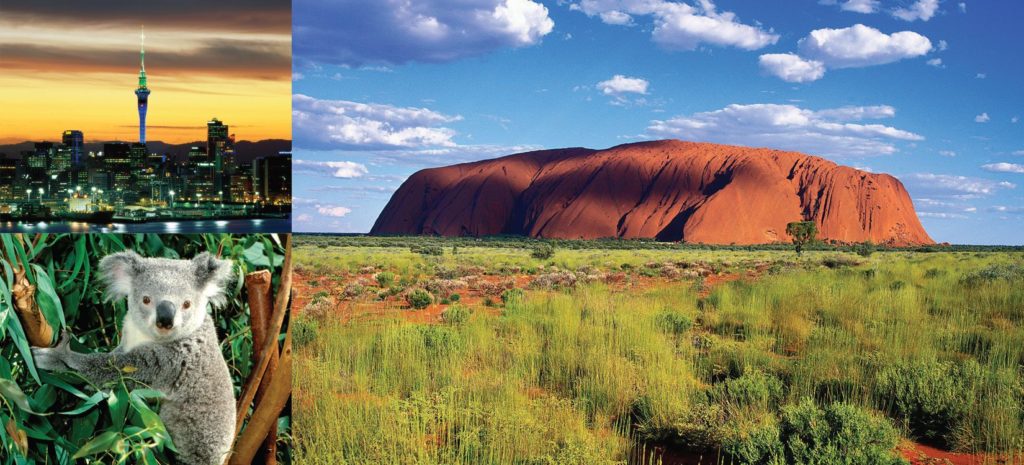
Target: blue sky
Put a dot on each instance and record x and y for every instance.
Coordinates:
(926, 90)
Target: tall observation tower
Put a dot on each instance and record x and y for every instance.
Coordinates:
(142, 92)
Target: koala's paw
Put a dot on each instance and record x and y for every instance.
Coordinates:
(48, 358)
(52, 358)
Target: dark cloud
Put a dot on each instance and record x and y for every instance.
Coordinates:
(260, 60)
(273, 16)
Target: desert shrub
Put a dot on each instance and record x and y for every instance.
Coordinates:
(865, 249)
(543, 251)
(839, 433)
(511, 295)
(555, 280)
(839, 261)
(432, 250)
(930, 396)
(353, 290)
(698, 426)
(444, 287)
(934, 273)
(673, 323)
(419, 299)
(753, 388)
(455, 314)
(753, 442)
(385, 278)
(304, 331)
(1005, 272)
(454, 297)
(320, 307)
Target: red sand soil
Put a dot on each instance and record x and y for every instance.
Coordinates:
(920, 454)
(669, 190)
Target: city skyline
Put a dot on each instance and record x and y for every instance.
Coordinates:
(74, 62)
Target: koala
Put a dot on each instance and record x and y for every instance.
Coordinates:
(168, 343)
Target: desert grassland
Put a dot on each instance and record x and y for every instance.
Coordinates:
(827, 358)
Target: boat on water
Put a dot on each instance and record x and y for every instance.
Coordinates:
(98, 216)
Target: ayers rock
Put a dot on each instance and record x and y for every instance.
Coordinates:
(667, 190)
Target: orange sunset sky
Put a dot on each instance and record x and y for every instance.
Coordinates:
(77, 68)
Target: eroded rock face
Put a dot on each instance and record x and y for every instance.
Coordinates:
(669, 190)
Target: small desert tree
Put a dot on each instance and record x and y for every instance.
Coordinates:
(803, 233)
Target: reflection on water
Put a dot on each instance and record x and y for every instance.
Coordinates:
(169, 227)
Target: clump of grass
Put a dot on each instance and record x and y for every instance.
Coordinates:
(418, 299)
(384, 278)
(455, 314)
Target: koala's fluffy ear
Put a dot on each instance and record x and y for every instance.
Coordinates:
(117, 271)
(212, 276)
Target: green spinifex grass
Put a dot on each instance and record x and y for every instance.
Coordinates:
(809, 363)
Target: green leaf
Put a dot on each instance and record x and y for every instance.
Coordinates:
(256, 256)
(48, 301)
(107, 441)
(21, 342)
(118, 405)
(10, 391)
(88, 404)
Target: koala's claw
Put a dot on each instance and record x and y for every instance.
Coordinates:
(47, 358)
(51, 358)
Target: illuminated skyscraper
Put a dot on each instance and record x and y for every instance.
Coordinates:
(217, 146)
(73, 139)
(142, 92)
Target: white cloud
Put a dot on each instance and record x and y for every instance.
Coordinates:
(330, 210)
(852, 47)
(1019, 153)
(352, 32)
(947, 153)
(942, 215)
(1006, 209)
(982, 118)
(860, 45)
(679, 26)
(860, 6)
(936, 62)
(297, 76)
(449, 155)
(963, 7)
(620, 84)
(791, 68)
(947, 185)
(980, 76)
(342, 124)
(304, 218)
(943, 45)
(1015, 119)
(1004, 167)
(337, 169)
(921, 9)
(616, 17)
(788, 127)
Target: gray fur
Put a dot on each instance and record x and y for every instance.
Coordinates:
(184, 362)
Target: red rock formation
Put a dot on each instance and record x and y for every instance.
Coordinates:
(669, 190)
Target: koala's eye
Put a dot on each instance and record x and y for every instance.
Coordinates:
(146, 300)
(187, 304)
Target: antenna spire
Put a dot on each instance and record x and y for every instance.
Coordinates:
(142, 49)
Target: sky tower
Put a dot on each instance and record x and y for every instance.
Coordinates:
(142, 92)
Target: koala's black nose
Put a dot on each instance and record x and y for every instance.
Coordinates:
(165, 315)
